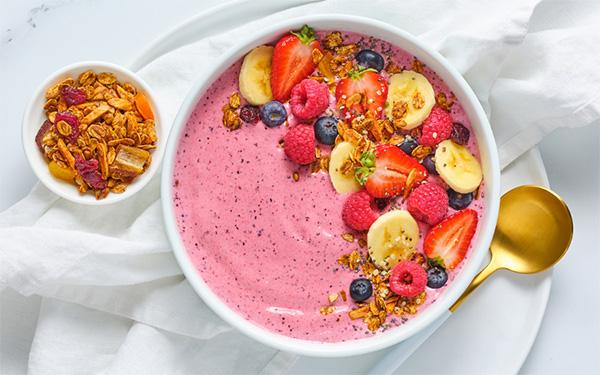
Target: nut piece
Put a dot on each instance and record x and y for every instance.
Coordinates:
(122, 104)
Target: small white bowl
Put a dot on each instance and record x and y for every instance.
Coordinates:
(489, 160)
(34, 116)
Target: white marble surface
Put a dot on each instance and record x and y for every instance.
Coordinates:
(38, 37)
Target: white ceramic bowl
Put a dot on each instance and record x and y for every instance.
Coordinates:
(490, 166)
(34, 116)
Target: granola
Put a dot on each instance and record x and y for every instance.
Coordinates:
(98, 134)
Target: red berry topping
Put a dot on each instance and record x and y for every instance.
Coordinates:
(358, 212)
(448, 242)
(428, 203)
(299, 144)
(361, 92)
(384, 171)
(408, 279)
(249, 114)
(292, 61)
(309, 99)
(436, 128)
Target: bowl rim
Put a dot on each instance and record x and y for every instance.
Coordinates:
(32, 152)
(487, 148)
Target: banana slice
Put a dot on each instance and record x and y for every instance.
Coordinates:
(255, 76)
(342, 183)
(392, 238)
(457, 167)
(416, 91)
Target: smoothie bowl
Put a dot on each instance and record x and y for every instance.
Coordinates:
(331, 187)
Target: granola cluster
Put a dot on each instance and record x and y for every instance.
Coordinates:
(384, 303)
(98, 133)
(231, 116)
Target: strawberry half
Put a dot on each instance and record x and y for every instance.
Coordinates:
(385, 170)
(292, 61)
(448, 242)
(362, 92)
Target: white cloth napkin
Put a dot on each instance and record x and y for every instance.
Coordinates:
(114, 299)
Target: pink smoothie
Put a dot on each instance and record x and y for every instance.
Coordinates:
(265, 244)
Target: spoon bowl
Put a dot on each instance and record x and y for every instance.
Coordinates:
(533, 232)
(523, 211)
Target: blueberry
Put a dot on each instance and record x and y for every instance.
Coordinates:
(382, 203)
(436, 277)
(361, 289)
(326, 130)
(273, 114)
(458, 201)
(370, 59)
(429, 164)
(460, 134)
(408, 145)
(249, 114)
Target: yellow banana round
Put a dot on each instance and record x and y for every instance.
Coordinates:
(255, 76)
(342, 183)
(392, 238)
(458, 167)
(413, 89)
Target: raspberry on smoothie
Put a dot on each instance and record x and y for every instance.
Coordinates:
(327, 187)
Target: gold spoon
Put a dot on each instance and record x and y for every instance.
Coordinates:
(533, 232)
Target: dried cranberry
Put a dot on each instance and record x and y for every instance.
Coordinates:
(460, 134)
(42, 132)
(72, 120)
(72, 95)
(88, 169)
(249, 114)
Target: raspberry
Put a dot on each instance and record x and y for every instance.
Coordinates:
(428, 203)
(408, 279)
(436, 128)
(299, 144)
(358, 211)
(309, 99)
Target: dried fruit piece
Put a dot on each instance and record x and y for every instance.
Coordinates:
(129, 162)
(88, 169)
(72, 96)
(143, 106)
(46, 125)
(61, 172)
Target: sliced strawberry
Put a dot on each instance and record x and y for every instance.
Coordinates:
(449, 241)
(361, 92)
(292, 61)
(384, 171)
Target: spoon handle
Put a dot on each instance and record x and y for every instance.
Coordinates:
(400, 352)
(479, 278)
